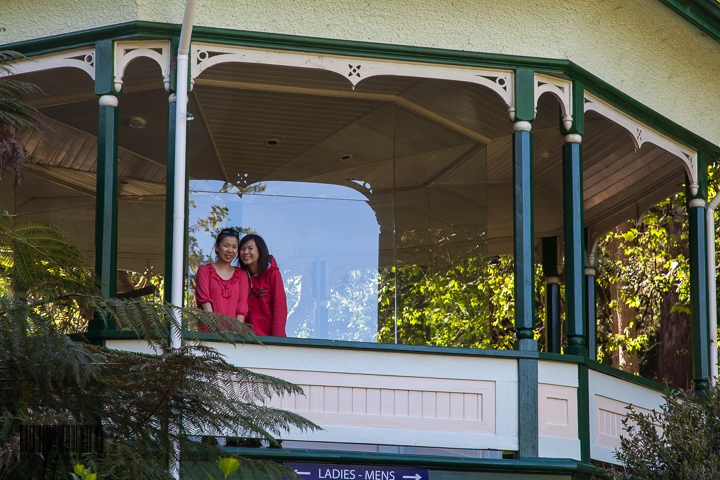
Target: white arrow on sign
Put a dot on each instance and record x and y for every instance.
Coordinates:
(304, 473)
(417, 476)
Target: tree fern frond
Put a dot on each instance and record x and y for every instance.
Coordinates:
(146, 402)
(39, 256)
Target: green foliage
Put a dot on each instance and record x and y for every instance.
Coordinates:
(81, 473)
(450, 306)
(41, 260)
(137, 397)
(228, 465)
(679, 442)
(652, 264)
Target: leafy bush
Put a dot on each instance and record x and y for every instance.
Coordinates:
(679, 442)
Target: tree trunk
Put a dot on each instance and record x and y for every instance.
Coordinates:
(674, 356)
(674, 359)
(624, 316)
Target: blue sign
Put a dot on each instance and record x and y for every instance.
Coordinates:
(314, 471)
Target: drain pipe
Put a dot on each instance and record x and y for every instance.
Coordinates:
(712, 288)
(178, 233)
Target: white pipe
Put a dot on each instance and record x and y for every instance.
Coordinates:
(178, 233)
(712, 289)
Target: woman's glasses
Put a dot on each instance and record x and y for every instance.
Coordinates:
(229, 231)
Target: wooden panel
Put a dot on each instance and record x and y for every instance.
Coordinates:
(557, 411)
(376, 401)
(609, 415)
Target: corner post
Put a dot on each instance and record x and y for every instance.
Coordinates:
(524, 251)
(698, 279)
(106, 217)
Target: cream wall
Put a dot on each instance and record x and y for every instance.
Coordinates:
(639, 46)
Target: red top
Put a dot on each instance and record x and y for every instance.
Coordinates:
(229, 297)
(268, 306)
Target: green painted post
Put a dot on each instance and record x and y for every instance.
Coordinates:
(574, 241)
(698, 281)
(106, 217)
(523, 228)
(523, 223)
(104, 67)
(107, 157)
(524, 250)
(106, 196)
(583, 393)
(169, 199)
(528, 408)
(553, 330)
(524, 95)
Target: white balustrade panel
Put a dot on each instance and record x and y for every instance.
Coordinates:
(558, 410)
(393, 398)
(609, 399)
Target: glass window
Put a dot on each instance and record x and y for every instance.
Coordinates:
(142, 160)
(375, 214)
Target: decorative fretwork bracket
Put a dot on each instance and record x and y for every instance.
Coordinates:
(355, 70)
(82, 58)
(128, 50)
(641, 133)
(562, 89)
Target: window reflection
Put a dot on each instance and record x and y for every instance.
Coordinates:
(324, 239)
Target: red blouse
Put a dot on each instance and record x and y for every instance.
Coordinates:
(229, 297)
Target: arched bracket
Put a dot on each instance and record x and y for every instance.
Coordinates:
(641, 133)
(562, 89)
(82, 58)
(128, 50)
(355, 70)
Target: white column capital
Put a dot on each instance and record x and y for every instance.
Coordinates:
(522, 126)
(573, 138)
(697, 203)
(108, 101)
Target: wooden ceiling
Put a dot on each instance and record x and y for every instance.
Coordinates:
(451, 136)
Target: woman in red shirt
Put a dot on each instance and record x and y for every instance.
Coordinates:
(267, 306)
(220, 287)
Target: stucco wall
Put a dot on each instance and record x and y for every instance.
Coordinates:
(639, 46)
(28, 19)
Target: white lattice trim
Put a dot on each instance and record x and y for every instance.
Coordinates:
(353, 69)
(641, 133)
(82, 58)
(128, 50)
(562, 89)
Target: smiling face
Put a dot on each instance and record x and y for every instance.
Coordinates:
(227, 249)
(249, 254)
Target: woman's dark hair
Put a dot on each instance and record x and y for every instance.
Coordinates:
(262, 249)
(224, 233)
